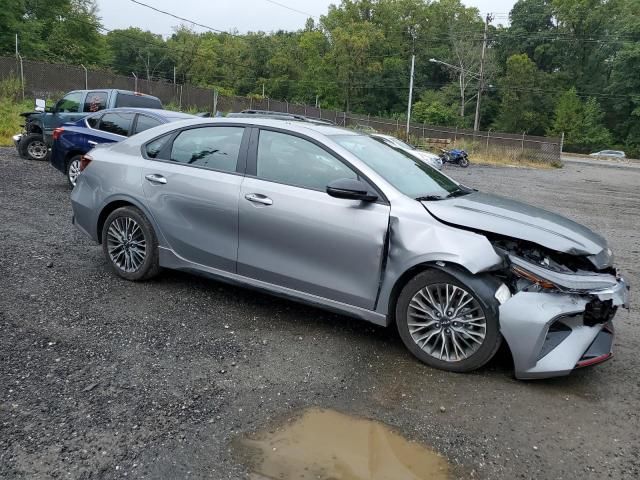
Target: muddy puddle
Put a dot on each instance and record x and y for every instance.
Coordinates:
(327, 445)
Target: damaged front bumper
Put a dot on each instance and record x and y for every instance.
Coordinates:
(552, 333)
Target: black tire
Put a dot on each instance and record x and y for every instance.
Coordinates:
(149, 267)
(33, 147)
(464, 162)
(72, 163)
(475, 360)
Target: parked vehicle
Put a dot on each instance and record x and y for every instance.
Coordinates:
(331, 217)
(455, 157)
(34, 142)
(393, 142)
(609, 154)
(73, 140)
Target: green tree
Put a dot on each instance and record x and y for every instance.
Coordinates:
(434, 108)
(581, 122)
(525, 103)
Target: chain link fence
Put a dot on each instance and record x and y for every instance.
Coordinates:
(48, 80)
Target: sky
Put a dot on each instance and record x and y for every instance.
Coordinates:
(243, 15)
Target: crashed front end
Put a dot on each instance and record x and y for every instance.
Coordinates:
(557, 313)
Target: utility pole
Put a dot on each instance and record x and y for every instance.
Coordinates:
(174, 74)
(86, 77)
(263, 90)
(476, 123)
(19, 60)
(413, 66)
(136, 81)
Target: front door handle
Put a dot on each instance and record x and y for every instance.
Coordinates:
(155, 178)
(92, 143)
(259, 198)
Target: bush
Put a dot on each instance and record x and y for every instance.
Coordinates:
(11, 106)
(10, 88)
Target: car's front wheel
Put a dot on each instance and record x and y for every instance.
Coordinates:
(129, 244)
(33, 147)
(445, 323)
(73, 170)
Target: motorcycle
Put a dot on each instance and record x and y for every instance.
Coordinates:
(455, 157)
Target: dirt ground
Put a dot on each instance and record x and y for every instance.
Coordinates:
(101, 378)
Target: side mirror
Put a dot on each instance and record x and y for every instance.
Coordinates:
(41, 105)
(350, 189)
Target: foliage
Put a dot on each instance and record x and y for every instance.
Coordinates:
(357, 57)
(11, 106)
(581, 123)
(434, 108)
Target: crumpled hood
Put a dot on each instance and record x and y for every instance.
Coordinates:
(491, 213)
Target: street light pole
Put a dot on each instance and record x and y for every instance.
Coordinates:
(413, 66)
(476, 122)
(412, 31)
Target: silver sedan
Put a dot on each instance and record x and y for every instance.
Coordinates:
(333, 218)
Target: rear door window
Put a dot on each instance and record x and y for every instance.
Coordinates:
(214, 148)
(117, 123)
(95, 101)
(145, 122)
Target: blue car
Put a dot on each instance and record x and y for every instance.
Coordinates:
(73, 140)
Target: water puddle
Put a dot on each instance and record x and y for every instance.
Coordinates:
(327, 445)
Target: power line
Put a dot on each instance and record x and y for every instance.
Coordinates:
(164, 12)
(292, 9)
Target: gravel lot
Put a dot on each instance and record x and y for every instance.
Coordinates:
(100, 378)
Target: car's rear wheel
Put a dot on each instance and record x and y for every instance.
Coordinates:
(129, 244)
(464, 162)
(445, 323)
(33, 147)
(73, 170)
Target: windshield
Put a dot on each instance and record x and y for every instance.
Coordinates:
(409, 175)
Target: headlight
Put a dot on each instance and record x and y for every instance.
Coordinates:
(571, 282)
(533, 278)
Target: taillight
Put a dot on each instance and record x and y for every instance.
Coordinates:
(57, 132)
(85, 160)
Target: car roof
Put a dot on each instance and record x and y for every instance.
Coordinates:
(291, 125)
(149, 111)
(116, 90)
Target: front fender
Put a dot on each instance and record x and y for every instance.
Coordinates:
(427, 241)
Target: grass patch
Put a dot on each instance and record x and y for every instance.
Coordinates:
(507, 158)
(11, 106)
(10, 120)
(502, 156)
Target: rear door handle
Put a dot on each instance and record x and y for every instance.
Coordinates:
(155, 178)
(259, 198)
(92, 143)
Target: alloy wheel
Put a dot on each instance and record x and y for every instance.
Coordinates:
(74, 171)
(37, 150)
(446, 322)
(126, 244)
